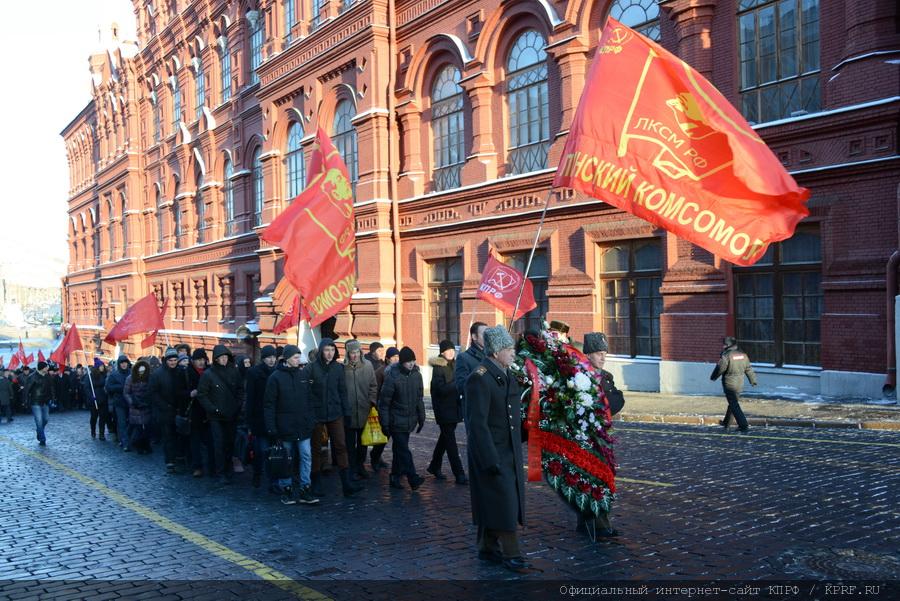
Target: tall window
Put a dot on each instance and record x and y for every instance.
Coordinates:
(295, 169)
(229, 198)
(176, 215)
(630, 277)
(445, 278)
(779, 50)
(111, 232)
(529, 106)
(256, 42)
(538, 274)
(124, 204)
(290, 19)
(448, 127)
(345, 138)
(157, 119)
(200, 205)
(225, 69)
(346, 5)
(200, 90)
(257, 176)
(176, 103)
(779, 302)
(640, 15)
(160, 222)
(316, 8)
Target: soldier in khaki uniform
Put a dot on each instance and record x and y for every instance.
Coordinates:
(733, 365)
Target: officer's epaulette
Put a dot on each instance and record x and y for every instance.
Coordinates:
(481, 370)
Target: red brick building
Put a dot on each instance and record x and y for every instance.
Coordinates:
(451, 117)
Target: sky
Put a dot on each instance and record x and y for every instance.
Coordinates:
(46, 84)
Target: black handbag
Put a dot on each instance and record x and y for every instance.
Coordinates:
(279, 462)
(183, 425)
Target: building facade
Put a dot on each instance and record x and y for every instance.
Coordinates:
(451, 117)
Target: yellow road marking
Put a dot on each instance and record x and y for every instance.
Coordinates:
(265, 572)
(648, 482)
(762, 436)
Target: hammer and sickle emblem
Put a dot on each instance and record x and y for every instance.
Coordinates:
(619, 36)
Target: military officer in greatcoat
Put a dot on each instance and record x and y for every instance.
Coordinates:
(496, 475)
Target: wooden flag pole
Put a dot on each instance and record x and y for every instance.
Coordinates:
(537, 236)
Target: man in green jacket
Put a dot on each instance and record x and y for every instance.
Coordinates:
(733, 365)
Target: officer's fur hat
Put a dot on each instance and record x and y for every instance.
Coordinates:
(594, 342)
(496, 339)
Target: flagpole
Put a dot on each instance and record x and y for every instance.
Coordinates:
(537, 236)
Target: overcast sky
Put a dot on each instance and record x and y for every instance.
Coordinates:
(46, 84)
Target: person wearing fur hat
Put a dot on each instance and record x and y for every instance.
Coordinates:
(221, 395)
(596, 347)
(115, 387)
(331, 406)
(362, 391)
(391, 356)
(447, 412)
(257, 376)
(733, 365)
(39, 393)
(401, 409)
(139, 396)
(493, 427)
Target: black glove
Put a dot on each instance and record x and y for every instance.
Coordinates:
(421, 425)
(493, 470)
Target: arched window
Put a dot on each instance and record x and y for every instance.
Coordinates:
(200, 89)
(176, 215)
(345, 138)
(448, 129)
(124, 204)
(295, 169)
(229, 198)
(258, 189)
(225, 69)
(529, 106)
(160, 222)
(290, 19)
(176, 103)
(640, 15)
(200, 207)
(256, 41)
(157, 117)
(110, 231)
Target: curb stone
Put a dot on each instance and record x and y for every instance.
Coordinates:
(710, 420)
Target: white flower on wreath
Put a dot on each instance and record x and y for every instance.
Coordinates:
(580, 411)
(548, 380)
(582, 381)
(571, 383)
(585, 399)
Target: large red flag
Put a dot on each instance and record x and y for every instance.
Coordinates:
(21, 352)
(70, 343)
(29, 359)
(653, 137)
(142, 316)
(41, 356)
(500, 286)
(13, 362)
(317, 235)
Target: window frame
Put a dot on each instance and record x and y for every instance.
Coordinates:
(523, 157)
(294, 164)
(257, 186)
(228, 196)
(442, 294)
(533, 320)
(225, 71)
(446, 113)
(346, 140)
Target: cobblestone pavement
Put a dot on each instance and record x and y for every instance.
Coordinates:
(693, 503)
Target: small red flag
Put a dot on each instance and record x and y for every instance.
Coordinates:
(317, 235)
(290, 319)
(13, 362)
(21, 352)
(41, 356)
(653, 137)
(70, 343)
(500, 286)
(142, 316)
(29, 359)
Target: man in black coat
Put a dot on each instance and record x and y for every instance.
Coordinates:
(39, 394)
(92, 387)
(115, 391)
(495, 453)
(447, 412)
(7, 395)
(332, 408)
(199, 441)
(375, 356)
(733, 365)
(221, 395)
(401, 409)
(468, 361)
(257, 377)
(169, 388)
(288, 418)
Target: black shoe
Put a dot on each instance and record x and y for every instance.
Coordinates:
(361, 473)
(102, 437)
(287, 497)
(224, 480)
(170, 468)
(607, 533)
(43, 443)
(491, 556)
(381, 465)
(438, 474)
(743, 430)
(349, 489)
(93, 435)
(306, 497)
(518, 565)
(396, 483)
(317, 485)
(415, 481)
(462, 480)
(722, 423)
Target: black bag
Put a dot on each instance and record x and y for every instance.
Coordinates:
(183, 425)
(279, 462)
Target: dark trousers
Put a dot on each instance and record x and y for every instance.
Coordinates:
(335, 431)
(446, 443)
(402, 459)
(375, 455)
(7, 411)
(99, 415)
(169, 436)
(223, 433)
(201, 444)
(504, 542)
(356, 450)
(734, 408)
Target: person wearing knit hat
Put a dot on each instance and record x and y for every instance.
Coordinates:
(447, 412)
(733, 365)
(257, 376)
(391, 356)
(362, 392)
(375, 356)
(168, 388)
(401, 409)
(496, 477)
(221, 394)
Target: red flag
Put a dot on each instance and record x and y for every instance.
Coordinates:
(653, 137)
(29, 359)
(142, 316)
(500, 286)
(70, 343)
(317, 235)
(290, 319)
(13, 362)
(21, 352)
(41, 356)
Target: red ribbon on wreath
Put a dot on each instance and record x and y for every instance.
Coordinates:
(534, 417)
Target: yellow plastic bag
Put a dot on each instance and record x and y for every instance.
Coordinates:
(372, 434)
